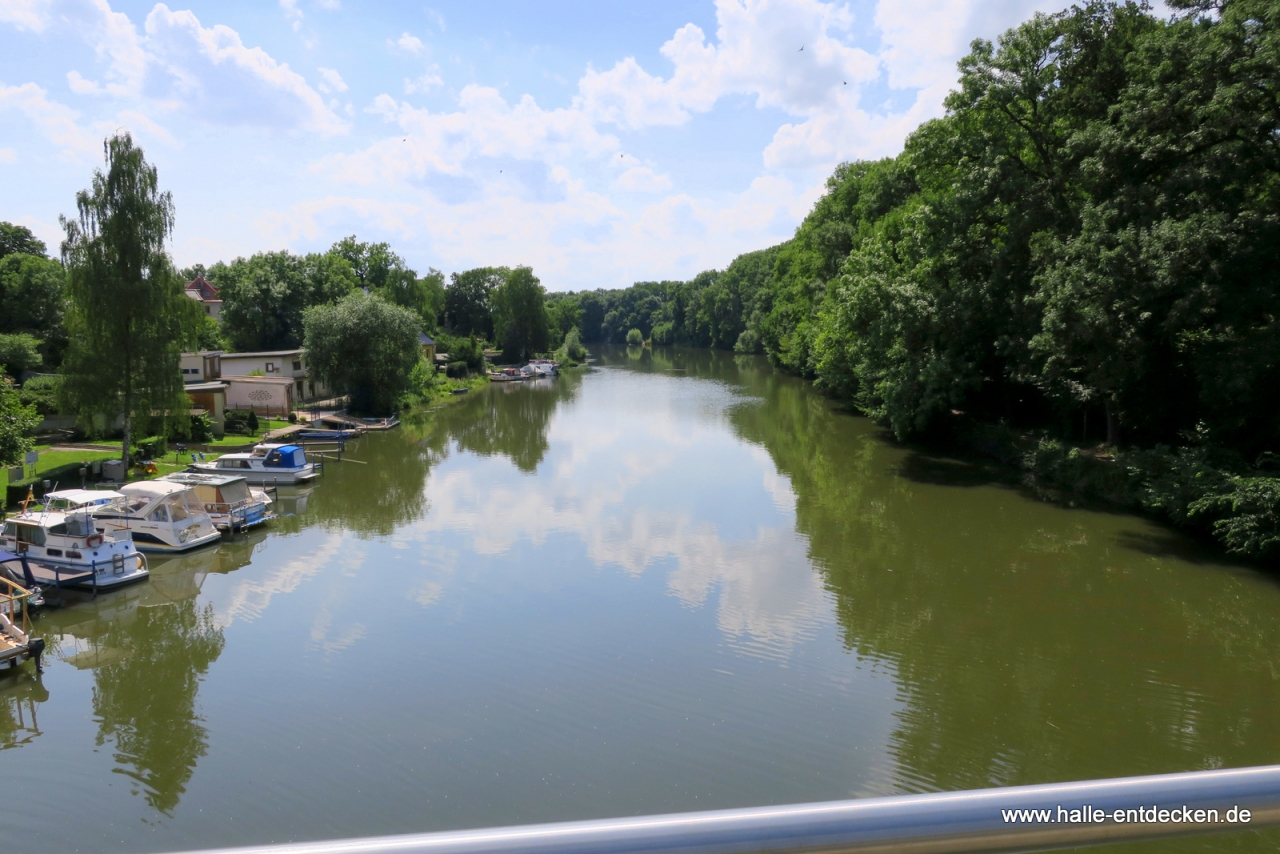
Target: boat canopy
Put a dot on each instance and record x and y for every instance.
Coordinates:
(73, 499)
(286, 456)
(215, 488)
(159, 501)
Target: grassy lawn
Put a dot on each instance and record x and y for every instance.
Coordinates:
(50, 460)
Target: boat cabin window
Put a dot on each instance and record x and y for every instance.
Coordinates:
(225, 463)
(159, 514)
(60, 529)
(32, 534)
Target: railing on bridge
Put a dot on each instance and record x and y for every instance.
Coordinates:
(1017, 818)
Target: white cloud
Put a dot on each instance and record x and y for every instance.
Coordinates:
(331, 81)
(292, 13)
(25, 14)
(429, 80)
(56, 122)
(215, 73)
(437, 17)
(408, 44)
(644, 179)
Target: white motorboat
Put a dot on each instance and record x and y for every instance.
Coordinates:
(159, 515)
(228, 499)
(68, 550)
(544, 367)
(266, 463)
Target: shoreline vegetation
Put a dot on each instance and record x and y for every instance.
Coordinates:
(1076, 271)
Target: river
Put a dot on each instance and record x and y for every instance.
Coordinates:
(675, 581)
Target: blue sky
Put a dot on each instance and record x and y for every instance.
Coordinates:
(599, 142)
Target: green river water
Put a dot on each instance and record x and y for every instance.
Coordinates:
(675, 581)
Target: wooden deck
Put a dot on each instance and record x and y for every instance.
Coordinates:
(61, 577)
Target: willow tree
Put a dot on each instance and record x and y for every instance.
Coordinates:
(125, 307)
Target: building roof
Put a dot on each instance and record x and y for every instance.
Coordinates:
(213, 386)
(205, 290)
(426, 340)
(296, 352)
(269, 380)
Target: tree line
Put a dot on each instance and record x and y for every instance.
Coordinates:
(1086, 245)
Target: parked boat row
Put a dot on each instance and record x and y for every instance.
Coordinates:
(536, 369)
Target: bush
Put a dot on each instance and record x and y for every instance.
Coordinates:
(571, 351)
(634, 337)
(253, 422)
(42, 393)
(293, 418)
(663, 333)
(1248, 520)
(237, 423)
(457, 370)
(469, 351)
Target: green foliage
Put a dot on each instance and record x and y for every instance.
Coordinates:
(18, 239)
(126, 312)
(467, 301)
(253, 422)
(31, 300)
(19, 352)
(385, 274)
(663, 333)
(205, 333)
(456, 370)
(563, 314)
(571, 352)
(1248, 514)
(265, 296)
(521, 326)
(469, 351)
(364, 347)
(635, 337)
(236, 422)
(17, 422)
(42, 392)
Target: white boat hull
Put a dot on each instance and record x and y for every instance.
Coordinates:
(278, 477)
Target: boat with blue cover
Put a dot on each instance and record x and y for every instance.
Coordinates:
(228, 499)
(266, 463)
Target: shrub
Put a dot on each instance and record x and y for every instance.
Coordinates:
(457, 370)
(469, 351)
(663, 333)
(42, 393)
(1249, 515)
(634, 337)
(571, 352)
(293, 418)
(237, 422)
(253, 422)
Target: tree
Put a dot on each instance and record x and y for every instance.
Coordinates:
(32, 300)
(385, 273)
(365, 347)
(126, 310)
(467, 305)
(17, 239)
(19, 352)
(264, 297)
(564, 314)
(520, 323)
(17, 422)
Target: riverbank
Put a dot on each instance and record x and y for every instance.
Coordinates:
(1206, 491)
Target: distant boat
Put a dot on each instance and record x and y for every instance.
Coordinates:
(266, 463)
(231, 504)
(160, 516)
(68, 550)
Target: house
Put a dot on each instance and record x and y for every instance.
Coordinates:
(210, 399)
(210, 365)
(428, 345)
(263, 395)
(205, 292)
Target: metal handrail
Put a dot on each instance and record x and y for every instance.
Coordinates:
(974, 822)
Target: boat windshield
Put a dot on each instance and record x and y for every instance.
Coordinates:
(178, 507)
(80, 525)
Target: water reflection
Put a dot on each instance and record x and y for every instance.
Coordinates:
(1030, 644)
(148, 647)
(21, 695)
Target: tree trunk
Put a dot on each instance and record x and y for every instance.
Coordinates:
(1113, 426)
(128, 428)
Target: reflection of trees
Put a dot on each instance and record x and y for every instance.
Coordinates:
(510, 420)
(375, 498)
(21, 695)
(145, 698)
(1030, 643)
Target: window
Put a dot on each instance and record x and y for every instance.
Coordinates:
(271, 367)
(160, 514)
(297, 365)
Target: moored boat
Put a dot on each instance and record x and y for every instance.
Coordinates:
(68, 550)
(266, 463)
(159, 515)
(67, 500)
(16, 642)
(228, 499)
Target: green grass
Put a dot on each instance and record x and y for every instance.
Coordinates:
(50, 460)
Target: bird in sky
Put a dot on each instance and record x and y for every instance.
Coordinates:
(801, 48)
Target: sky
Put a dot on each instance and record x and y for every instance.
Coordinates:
(599, 142)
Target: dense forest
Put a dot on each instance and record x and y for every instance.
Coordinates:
(1085, 247)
